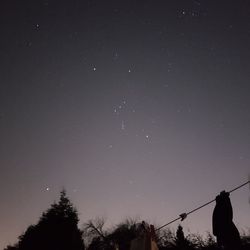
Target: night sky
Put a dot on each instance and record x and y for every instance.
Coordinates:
(136, 108)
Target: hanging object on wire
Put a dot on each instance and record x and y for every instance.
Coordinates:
(183, 216)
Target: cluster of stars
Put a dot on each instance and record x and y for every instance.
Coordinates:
(117, 110)
(120, 111)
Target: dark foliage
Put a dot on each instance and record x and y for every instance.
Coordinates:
(181, 242)
(56, 229)
(123, 235)
(118, 238)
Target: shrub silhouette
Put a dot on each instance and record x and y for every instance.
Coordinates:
(57, 230)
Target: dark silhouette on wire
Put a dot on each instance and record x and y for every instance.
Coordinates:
(183, 216)
(224, 229)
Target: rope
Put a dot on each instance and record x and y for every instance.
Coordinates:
(184, 215)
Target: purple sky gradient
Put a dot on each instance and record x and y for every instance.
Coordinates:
(137, 108)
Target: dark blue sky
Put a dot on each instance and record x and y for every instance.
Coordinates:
(137, 108)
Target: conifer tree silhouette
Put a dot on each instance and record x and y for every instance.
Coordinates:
(180, 241)
(56, 229)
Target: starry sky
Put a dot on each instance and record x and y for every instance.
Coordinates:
(137, 108)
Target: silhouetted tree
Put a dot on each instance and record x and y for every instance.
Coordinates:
(100, 239)
(95, 235)
(210, 243)
(165, 239)
(56, 229)
(181, 242)
(124, 233)
(96, 244)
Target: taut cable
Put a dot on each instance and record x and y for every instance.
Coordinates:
(184, 215)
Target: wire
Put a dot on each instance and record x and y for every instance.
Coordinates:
(184, 215)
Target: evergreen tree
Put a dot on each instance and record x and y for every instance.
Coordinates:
(56, 229)
(180, 241)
